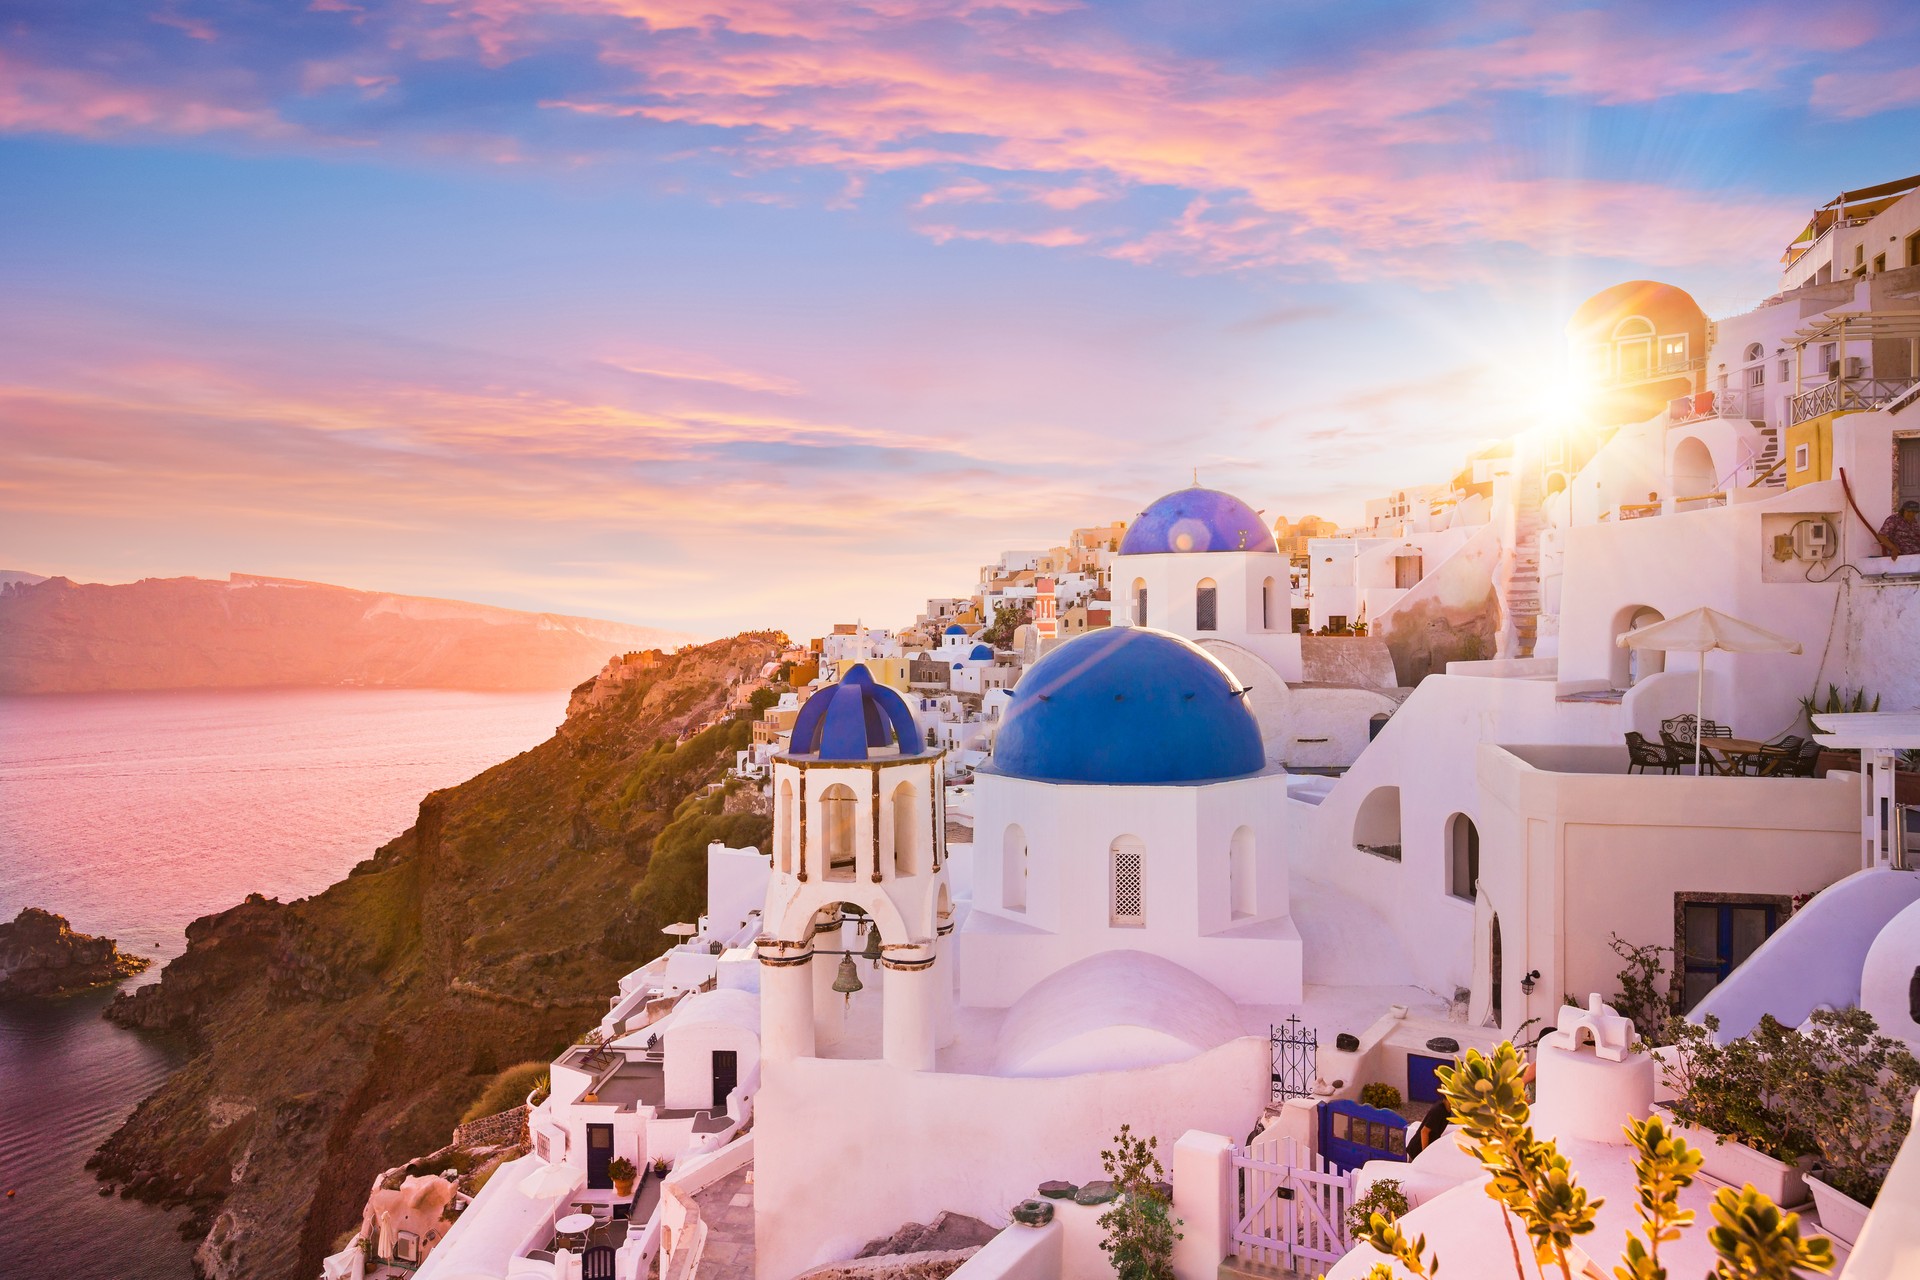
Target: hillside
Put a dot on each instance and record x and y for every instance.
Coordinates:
(254, 632)
(340, 1034)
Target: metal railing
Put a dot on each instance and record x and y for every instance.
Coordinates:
(1847, 394)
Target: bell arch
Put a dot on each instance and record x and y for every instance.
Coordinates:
(906, 830)
(839, 816)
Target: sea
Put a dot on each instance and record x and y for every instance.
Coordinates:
(134, 813)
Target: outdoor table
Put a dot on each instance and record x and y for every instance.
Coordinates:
(1738, 750)
(574, 1224)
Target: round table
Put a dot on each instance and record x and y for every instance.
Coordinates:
(574, 1224)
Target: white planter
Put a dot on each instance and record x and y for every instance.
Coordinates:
(1737, 1164)
(1841, 1216)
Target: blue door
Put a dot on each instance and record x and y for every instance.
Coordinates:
(1422, 1084)
(1352, 1133)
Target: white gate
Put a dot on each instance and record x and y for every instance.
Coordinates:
(1293, 1207)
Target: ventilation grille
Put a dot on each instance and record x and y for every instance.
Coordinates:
(1127, 906)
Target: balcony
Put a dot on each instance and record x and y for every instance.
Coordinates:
(1848, 395)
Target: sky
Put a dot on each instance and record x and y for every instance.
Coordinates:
(716, 314)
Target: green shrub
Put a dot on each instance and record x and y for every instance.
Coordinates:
(1380, 1094)
(507, 1090)
(1384, 1198)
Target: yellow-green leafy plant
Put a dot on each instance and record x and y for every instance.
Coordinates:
(1384, 1234)
(1531, 1179)
(1663, 1166)
(1757, 1240)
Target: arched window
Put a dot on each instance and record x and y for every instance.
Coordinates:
(1633, 327)
(1266, 605)
(1206, 606)
(837, 809)
(1013, 869)
(1240, 889)
(1755, 351)
(1494, 959)
(1139, 602)
(1376, 827)
(786, 826)
(1127, 857)
(1463, 857)
(906, 828)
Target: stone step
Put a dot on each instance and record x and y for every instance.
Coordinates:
(1234, 1267)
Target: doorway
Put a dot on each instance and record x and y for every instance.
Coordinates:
(599, 1156)
(1493, 957)
(726, 1075)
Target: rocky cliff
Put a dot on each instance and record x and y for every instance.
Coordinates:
(339, 1034)
(253, 632)
(40, 955)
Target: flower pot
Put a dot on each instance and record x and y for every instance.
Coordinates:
(1737, 1164)
(1841, 1216)
(623, 1187)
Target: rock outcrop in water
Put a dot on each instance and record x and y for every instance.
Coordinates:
(41, 955)
(339, 1034)
(251, 632)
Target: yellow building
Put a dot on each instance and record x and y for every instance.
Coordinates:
(1810, 449)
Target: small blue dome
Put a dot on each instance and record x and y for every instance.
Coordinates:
(844, 721)
(1128, 706)
(981, 653)
(955, 630)
(1192, 520)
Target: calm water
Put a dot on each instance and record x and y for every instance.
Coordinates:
(131, 814)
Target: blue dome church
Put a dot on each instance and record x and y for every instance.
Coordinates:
(1129, 805)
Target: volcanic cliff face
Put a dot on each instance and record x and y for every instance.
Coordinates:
(40, 955)
(253, 632)
(343, 1033)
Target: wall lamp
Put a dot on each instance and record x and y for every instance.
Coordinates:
(1527, 983)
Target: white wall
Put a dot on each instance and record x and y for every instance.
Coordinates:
(1188, 834)
(850, 1150)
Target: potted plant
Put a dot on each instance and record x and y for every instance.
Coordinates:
(660, 1166)
(1854, 1095)
(1731, 1103)
(622, 1171)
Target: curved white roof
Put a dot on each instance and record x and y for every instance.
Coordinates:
(1114, 1011)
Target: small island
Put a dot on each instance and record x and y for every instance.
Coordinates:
(41, 955)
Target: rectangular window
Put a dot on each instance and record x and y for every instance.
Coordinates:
(1716, 937)
(1129, 908)
(1336, 622)
(1757, 376)
(1879, 263)
(1303, 620)
(1786, 370)
(1406, 571)
(1829, 352)
(1799, 457)
(1913, 249)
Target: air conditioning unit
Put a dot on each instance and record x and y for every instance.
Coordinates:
(1851, 367)
(1813, 540)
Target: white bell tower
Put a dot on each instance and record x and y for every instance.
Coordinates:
(859, 822)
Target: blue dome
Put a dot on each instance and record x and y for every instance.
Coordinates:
(981, 653)
(1197, 520)
(1127, 706)
(844, 721)
(955, 630)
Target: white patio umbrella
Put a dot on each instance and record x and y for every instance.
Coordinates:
(551, 1181)
(1700, 631)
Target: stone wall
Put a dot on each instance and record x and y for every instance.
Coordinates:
(501, 1129)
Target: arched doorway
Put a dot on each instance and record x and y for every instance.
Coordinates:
(1693, 473)
(1463, 857)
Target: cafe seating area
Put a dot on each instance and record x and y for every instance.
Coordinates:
(1686, 738)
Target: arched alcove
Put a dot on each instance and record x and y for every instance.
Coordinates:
(1139, 602)
(1013, 868)
(1463, 857)
(1240, 886)
(1376, 827)
(1266, 605)
(1630, 666)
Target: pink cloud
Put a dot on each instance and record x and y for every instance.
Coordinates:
(1858, 94)
(44, 99)
(1049, 238)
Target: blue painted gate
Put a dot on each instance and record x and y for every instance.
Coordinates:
(1352, 1133)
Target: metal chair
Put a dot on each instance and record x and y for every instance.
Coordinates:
(1643, 755)
(1714, 729)
(1682, 728)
